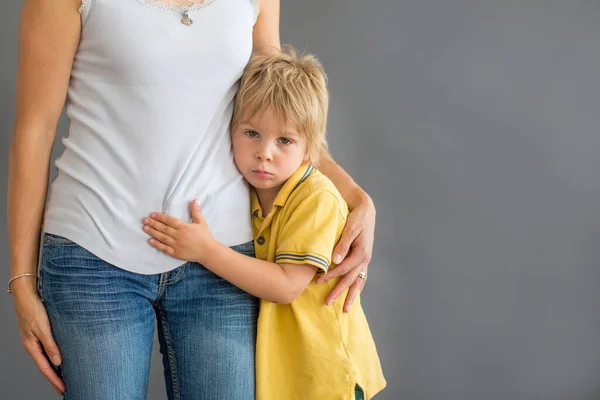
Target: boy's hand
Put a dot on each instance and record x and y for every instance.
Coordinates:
(185, 241)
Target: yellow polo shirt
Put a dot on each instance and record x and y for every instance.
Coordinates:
(306, 350)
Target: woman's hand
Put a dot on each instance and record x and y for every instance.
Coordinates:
(49, 33)
(353, 251)
(188, 242)
(34, 328)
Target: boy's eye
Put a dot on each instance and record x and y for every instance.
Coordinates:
(251, 134)
(284, 141)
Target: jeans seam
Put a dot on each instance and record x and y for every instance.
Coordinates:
(40, 284)
(176, 278)
(171, 356)
(161, 287)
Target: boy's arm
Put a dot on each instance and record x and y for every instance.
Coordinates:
(309, 233)
(278, 283)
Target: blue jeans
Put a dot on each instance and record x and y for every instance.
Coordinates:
(103, 319)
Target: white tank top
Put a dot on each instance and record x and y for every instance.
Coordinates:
(149, 105)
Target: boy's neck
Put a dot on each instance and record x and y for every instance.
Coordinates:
(266, 198)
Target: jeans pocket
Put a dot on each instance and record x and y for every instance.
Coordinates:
(246, 249)
(56, 240)
(58, 251)
(77, 284)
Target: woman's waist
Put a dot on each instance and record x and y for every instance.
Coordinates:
(106, 214)
(127, 192)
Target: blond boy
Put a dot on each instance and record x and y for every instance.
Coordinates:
(305, 350)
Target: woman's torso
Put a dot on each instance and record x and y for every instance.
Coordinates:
(149, 104)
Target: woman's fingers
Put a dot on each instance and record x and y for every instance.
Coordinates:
(49, 345)
(36, 352)
(351, 281)
(350, 269)
(38, 341)
(349, 235)
(358, 257)
(354, 248)
(355, 289)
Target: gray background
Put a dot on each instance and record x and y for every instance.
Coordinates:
(474, 125)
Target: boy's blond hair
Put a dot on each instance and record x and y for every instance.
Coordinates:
(295, 88)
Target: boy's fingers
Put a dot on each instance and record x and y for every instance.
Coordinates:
(161, 237)
(167, 220)
(162, 247)
(159, 226)
(196, 213)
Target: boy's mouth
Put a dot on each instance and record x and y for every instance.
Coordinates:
(261, 173)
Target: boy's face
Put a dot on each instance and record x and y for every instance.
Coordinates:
(266, 153)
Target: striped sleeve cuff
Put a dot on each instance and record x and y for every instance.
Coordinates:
(312, 259)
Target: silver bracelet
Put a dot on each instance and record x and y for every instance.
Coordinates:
(17, 277)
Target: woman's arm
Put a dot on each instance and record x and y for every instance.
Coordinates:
(48, 38)
(265, 37)
(354, 249)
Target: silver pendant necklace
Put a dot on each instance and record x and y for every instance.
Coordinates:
(186, 20)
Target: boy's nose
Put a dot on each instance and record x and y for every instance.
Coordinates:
(264, 155)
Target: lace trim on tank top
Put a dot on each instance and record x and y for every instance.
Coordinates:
(84, 6)
(256, 7)
(174, 5)
(177, 5)
(181, 5)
